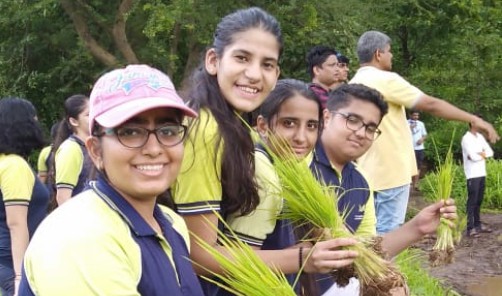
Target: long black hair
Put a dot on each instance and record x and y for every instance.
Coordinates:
(240, 192)
(73, 106)
(20, 131)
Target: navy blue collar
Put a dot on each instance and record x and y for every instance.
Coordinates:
(124, 208)
(77, 140)
(321, 157)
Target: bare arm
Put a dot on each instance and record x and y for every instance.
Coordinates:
(63, 195)
(325, 257)
(42, 176)
(17, 222)
(443, 109)
(425, 222)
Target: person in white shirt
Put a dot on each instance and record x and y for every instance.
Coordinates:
(475, 150)
(419, 134)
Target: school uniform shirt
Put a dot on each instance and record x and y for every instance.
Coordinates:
(475, 164)
(42, 165)
(355, 196)
(73, 165)
(390, 161)
(98, 244)
(257, 227)
(355, 199)
(197, 189)
(19, 186)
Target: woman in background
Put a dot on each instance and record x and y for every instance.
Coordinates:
(24, 199)
(71, 161)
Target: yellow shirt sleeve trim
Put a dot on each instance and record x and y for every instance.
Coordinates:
(16, 178)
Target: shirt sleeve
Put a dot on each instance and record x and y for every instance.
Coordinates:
(16, 180)
(486, 148)
(401, 92)
(256, 226)
(42, 159)
(367, 228)
(69, 162)
(424, 131)
(470, 147)
(197, 189)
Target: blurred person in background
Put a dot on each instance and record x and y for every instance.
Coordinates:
(23, 197)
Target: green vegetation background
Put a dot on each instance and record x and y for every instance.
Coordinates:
(50, 49)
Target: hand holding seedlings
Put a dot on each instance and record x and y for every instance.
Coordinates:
(328, 255)
(428, 219)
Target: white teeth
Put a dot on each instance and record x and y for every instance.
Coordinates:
(248, 89)
(151, 167)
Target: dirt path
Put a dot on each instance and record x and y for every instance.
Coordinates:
(477, 270)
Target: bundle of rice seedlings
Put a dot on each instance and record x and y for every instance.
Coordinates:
(244, 273)
(442, 252)
(309, 202)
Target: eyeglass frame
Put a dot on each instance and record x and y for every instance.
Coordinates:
(113, 131)
(374, 136)
(342, 65)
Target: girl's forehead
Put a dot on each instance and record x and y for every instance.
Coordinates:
(256, 41)
(158, 115)
(297, 102)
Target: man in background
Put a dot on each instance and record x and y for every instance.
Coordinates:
(322, 66)
(475, 151)
(419, 134)
(343, 66)
(390, 162)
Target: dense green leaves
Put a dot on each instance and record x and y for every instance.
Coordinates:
(50, 49)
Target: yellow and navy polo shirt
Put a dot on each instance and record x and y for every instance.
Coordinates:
(355, 197)
(73, 165)
(197, 189)
(98, 244)
(262, 227)
(19, 186)
(42, 166)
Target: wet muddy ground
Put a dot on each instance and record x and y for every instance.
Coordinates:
(477, 269)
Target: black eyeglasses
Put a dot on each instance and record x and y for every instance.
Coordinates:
(354, 123)
(342, 65)
(136, 137)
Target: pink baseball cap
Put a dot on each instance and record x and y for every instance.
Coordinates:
(123, 93)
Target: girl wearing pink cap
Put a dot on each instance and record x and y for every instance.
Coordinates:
(113, 238)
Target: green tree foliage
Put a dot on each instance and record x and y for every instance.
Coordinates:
(50, 49)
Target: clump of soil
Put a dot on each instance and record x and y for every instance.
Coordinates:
(380, 287)
(441, 257)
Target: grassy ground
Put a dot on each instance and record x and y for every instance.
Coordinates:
(410, 263)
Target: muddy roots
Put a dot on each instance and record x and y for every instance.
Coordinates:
(441, 257)
(393, 282)
(390, 284)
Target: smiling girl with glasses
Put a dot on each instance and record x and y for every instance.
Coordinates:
(114, 239)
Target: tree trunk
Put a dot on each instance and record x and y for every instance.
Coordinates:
(119, 32)
(173, 50)
(83, 32)
(407, 57)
